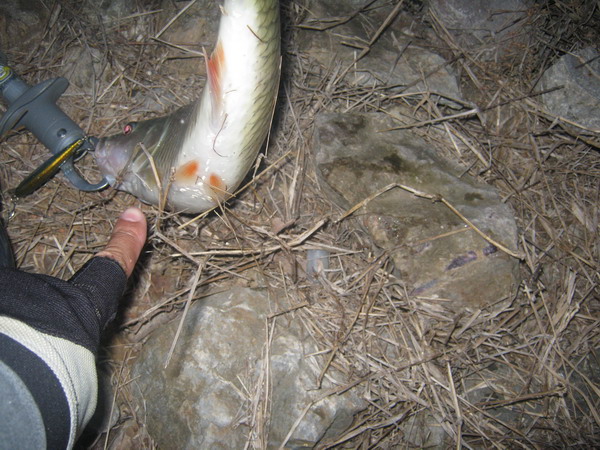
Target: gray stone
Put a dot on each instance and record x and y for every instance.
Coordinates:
(423, 430)
(83, 67)
(393, 61)
(494, 388)
(475, 23)
(204, 398)
(577, 77)
(121, 15)
(20, 24)
(582, 383)
(196, 30)
(112, 11)
(434, 254)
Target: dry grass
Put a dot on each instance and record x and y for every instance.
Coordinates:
(524, 377)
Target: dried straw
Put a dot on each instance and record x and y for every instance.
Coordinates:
(413, 359)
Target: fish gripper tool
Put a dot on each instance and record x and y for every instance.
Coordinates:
(34, 108)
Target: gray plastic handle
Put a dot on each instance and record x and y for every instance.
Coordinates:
(35, 109)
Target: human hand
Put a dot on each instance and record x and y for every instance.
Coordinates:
(127, 239)
(49, 333)
(78, 309)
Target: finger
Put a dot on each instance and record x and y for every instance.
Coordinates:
(127, 239)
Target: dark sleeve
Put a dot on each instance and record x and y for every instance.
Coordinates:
(77, 310)
(33, 415)
(49, 334)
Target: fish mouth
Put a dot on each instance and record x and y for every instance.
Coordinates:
(111, 158)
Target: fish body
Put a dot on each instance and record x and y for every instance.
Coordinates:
(196, 157)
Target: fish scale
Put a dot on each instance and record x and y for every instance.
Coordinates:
(203, 151)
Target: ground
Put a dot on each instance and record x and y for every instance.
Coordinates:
(525, 376)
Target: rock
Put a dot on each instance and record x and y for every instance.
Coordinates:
(423, 430)
(434, 253)
(475, 23)
(493, 388)
(582, 382)
(121, 16)
(111, 11)
(204, 398)
(196, 29)
(393, 61)
(577, 98)
(20, 24)
(83, 67)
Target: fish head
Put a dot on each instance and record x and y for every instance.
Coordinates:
(125, 159)
(115, 154)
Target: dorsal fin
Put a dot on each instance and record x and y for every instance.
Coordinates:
(215, 67)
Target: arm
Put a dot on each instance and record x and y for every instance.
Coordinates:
(49, 334)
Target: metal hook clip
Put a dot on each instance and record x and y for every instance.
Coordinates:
(61, 160)
(35, 108)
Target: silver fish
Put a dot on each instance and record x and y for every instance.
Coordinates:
(196, 157)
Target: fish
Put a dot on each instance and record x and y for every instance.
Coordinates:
(194, 159)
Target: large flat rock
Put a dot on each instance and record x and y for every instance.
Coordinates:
(573, 85)
(206, 396)
(497, 28)
(394, 61)
(435, 254)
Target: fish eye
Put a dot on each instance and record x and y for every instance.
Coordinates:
(127, 129)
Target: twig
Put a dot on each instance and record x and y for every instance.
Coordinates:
(435, 198)
(194, 284)
(170, 22)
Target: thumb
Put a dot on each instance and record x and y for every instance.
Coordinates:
(127, 239)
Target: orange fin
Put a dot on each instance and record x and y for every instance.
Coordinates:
(215, 65)
(187, 173)
(218, 186)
